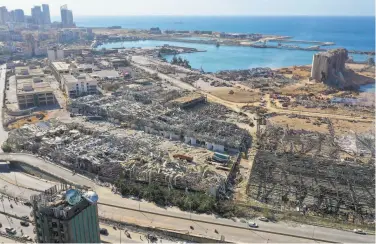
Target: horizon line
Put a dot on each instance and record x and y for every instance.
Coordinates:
(201, 15)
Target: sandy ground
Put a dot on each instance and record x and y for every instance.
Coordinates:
(340, 126)
(238, 95)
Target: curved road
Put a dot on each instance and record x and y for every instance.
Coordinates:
(176, 219)
(3, 133)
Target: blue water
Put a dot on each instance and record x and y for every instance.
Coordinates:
(368, 88)
(351, 32)
(354, 33)
(230, 57)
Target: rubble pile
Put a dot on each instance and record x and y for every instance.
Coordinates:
(109, 154)
(144, 108)
(256, 77)
(191, 78)
(306, 170)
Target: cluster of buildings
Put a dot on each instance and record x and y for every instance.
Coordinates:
(40, 16)
(74, 80)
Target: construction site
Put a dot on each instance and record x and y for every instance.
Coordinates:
(315, 173)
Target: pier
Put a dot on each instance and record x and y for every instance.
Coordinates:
(318, 43)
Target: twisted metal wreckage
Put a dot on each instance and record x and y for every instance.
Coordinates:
(315, 171)
(103, 149)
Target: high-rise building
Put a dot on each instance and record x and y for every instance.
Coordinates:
(63, 214)
(3, 15)
(46, 14)
(36, 14)
(19, 16)
(66, 16)
(11, 16)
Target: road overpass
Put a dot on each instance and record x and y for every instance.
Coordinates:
(145, 213)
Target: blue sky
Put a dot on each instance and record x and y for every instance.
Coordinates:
(204, 7)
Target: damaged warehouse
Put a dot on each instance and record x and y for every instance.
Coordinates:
(148, 134)
(308, 170)
(152, 110)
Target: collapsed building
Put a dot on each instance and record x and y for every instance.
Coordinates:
(151, 109)
(329, 68)
(256, 77)
(109, 154)
(308, 170)
(151, 134)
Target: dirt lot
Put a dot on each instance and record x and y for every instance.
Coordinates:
(238, 95)
(341, 110)
(362, 69)
(29, 120)
(303, 72)
(340, 126)
(303, 88)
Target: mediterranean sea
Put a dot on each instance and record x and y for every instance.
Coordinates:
(353, 33)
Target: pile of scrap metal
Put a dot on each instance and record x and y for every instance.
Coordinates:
(145, 110)
(256, 77)
(110, 154)
(295, 168)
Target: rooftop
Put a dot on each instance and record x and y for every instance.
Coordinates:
(28, 71)
(33, 85)
(63, 201)
(106, 74)
(61, 65)
(69, 79)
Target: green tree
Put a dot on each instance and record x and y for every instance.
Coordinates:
(174, 60)
(6, 148)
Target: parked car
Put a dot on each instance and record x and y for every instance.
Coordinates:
(25, 217)
(27, 204)
(263, 219)
(27, 238)
(10, 231)
(253, 225)
(24, 223)
(103, 231)
(359, 231)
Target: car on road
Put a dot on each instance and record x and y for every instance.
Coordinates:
(253, 225)
(27, 238)
(263, 219)
(359, 231)
(25, 217)
(103, 231)
(10, 231)
(24, 223)
(27, 204)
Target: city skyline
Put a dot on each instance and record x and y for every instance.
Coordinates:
(209, 7)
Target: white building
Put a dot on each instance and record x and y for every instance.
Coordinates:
(79, 85)
(55, 54)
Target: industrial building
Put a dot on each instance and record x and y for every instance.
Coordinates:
(32, 88)
(63, 214)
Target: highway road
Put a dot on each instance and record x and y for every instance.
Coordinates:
(3, 133)
(179, 220)
(113, 236)
(19, 209)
